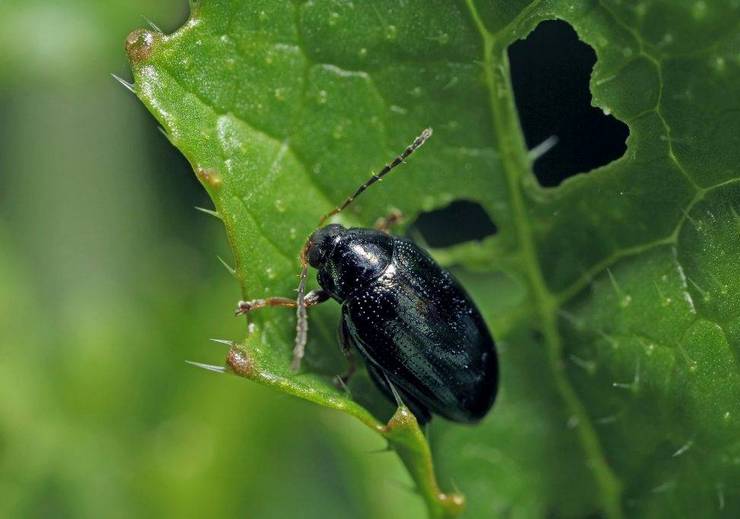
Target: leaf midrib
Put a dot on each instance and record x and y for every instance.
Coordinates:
(516, 166)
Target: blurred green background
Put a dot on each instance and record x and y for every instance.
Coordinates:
(108, 282)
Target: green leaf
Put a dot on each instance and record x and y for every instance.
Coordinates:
(614, 298)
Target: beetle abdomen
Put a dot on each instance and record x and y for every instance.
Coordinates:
(417, 325)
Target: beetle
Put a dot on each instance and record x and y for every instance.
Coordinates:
(421, 335)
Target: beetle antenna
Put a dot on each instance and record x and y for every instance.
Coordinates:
(421, 139)
(301, 325)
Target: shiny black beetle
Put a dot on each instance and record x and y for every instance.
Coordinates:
(422, 337)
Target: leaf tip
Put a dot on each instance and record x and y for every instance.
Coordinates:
(239, 362)
(403, 418)
(209, 176)
(139, 45)
(453, 504)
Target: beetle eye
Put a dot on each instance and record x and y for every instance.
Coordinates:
(315, 254)
(321, 243)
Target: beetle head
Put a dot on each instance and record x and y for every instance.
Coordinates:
(321, 243)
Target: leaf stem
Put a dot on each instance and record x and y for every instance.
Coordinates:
(402, 431)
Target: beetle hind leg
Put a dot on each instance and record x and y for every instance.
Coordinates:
(345, 342)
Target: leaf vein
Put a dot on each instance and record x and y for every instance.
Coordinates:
(516, 167)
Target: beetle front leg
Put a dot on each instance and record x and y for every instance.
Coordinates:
(385, 224)
(314, 297)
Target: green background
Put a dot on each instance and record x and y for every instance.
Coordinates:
(618, 335)
(108, 281)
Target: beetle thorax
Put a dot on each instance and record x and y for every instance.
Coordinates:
(356, 258)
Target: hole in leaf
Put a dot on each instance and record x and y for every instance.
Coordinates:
(461, 221)
(550, 72)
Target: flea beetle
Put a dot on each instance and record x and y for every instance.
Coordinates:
(421, 336)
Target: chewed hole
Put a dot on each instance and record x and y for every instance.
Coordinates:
(550, 72)
(461, 221)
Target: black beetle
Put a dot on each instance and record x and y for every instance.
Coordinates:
(422, 337)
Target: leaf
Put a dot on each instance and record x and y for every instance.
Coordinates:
(613, 298)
